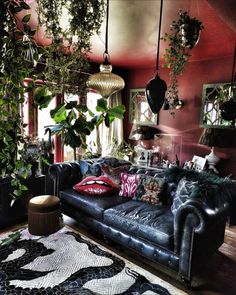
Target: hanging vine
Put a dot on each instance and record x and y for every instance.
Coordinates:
(66, 58)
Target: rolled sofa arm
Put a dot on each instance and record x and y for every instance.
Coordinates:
(198, 232)
(204, 218)
(64, 175)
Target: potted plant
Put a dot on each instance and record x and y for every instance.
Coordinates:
(184, 35)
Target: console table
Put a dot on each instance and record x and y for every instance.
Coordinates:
(11, 215)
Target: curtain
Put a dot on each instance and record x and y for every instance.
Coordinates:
(105, 136)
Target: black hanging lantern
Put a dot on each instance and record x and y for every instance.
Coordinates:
(156, 88)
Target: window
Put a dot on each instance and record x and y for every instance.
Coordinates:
(212, 96)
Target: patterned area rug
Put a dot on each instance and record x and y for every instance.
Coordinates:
(69, 263)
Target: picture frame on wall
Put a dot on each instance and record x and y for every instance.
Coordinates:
(139, 110)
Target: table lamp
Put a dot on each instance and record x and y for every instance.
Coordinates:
(215, 137)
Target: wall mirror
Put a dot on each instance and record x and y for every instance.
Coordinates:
(139, 110)
(212, 96)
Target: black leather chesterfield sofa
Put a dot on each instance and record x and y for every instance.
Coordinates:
(182, 243)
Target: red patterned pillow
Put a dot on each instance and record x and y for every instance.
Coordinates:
(96, 186)
(129, 185)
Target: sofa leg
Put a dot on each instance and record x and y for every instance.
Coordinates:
(187, 283)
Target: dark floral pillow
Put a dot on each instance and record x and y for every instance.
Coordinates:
(151, 189)
(183, 192)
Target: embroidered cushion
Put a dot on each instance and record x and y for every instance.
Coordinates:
(151, 189)
(96, 186)
(183, 193)
(129, 185)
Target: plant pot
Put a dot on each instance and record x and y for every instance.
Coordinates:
(17, 213)
(190, 34)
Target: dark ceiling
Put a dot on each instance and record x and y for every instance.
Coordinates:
(133, 30)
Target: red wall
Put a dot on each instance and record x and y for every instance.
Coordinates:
(186, 120)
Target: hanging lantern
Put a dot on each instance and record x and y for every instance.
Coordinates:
(105, 82)
(156, 87)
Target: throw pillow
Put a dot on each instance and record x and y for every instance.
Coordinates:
(183, 192)
(89, 168)
(129, 185)
(96, 186)
(151, 189)
(114, 173)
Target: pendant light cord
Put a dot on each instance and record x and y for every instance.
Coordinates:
(232, 77)
(159, 36)
(106, 55)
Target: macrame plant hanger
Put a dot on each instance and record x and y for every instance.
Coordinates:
(156, 88)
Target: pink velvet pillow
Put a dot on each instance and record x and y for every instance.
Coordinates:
(129, 185)
(96, 186)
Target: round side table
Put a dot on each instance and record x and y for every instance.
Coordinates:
(44, 215)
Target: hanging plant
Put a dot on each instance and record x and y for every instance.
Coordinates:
(183, 36)
(18, 54)
(66, 58)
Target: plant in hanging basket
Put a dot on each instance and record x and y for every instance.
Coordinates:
(183, 36)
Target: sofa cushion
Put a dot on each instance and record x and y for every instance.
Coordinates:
(183, 193)
(143, 220)
(151, 189)
(129, 185)
(93, 206)
(114, 173)
(96, 186)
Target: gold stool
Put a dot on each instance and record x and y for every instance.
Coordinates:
(44, 215)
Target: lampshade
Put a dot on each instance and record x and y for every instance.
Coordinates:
(139, 132)
(218, 137)
(105, 82)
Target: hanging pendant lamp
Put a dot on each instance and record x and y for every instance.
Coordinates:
(156, 88)
(105, 82)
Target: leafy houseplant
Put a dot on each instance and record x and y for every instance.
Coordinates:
(66, 61)
(15, 46)
(183, 36)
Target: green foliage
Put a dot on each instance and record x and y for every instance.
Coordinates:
(73, 123)
(14, 68)
(66, 58)
(177, 53)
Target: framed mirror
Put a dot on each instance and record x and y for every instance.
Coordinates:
(213, 95)
(139, 110)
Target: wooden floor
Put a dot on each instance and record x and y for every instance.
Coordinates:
(218, 278)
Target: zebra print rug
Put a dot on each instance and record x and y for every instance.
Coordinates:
(69, 263)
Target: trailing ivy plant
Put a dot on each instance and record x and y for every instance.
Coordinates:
(183, 36)
(66, 58)
(16, 44)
